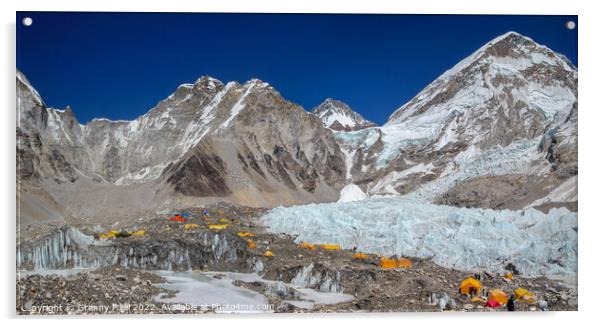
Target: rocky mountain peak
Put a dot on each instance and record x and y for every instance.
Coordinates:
(208, 83)
(495, 71)
(258, 84)
(337, 115)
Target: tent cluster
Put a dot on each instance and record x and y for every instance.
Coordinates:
(385, 263)
(496, 297)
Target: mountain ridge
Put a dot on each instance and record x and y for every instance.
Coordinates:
(503, 119)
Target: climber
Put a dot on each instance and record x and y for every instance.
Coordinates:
(510, 304)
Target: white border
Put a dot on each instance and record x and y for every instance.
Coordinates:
(590, 272)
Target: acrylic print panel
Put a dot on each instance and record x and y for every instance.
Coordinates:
(268, 163)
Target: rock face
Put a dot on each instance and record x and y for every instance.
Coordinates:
(512, 97)
(241, 142)
(338, 116)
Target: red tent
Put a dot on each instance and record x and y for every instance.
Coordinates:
(492, 304)
(178, 218)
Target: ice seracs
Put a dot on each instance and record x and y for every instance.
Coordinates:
(468, 239)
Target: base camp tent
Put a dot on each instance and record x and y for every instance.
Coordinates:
(498, 295)
(468, 284)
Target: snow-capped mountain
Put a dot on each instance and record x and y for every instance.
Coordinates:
(242, 142)
(493, 114)
(338, 116)
(498, 130)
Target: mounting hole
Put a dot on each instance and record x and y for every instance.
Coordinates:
(571, 25)
(27, 21)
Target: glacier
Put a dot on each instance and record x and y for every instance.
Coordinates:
(468, 239)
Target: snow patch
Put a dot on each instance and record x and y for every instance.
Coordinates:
(352, 192)
(238, 107)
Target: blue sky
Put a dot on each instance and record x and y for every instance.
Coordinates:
(119, 65)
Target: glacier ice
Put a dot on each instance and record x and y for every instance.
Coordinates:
(467, 239)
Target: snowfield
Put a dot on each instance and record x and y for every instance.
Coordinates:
(352, 192)
(469, 239)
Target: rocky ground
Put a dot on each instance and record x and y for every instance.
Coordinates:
(118, 289)
(109, 290)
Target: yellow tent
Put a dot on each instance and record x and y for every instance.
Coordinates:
(477, 299)
(138, 232)
(508, 275)
(190, 226)
(251, 244)
(522, 294)
(469, 283)
(268, 253)
(245, 234)
(498, 295)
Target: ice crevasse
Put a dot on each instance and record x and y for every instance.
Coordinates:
(469, 239)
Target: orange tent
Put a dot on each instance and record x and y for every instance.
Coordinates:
(469, 283)
(308, 246)
(251, 244)
(332, 247)
(388, 263)
(498, 295)
(392, 263)
(404, 263)
(360, 256)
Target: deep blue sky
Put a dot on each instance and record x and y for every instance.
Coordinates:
(119, 65)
